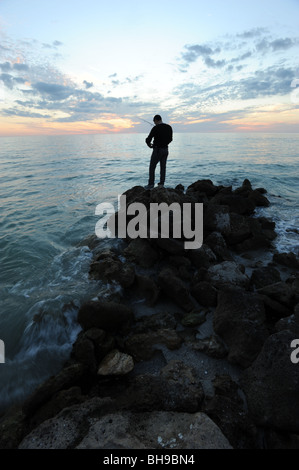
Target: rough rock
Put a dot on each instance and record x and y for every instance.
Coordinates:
(104, 315)
(271, 385)
(116, 363)
(175, 289)
(143, 345)
(141, 252)
(205, 293)
(146, 286)
(176, 388)
(227, 273)
(67, 377)
(239, 320)
(264, 276)
(202, 257)
(108, 267)
(227, 410)
(217, 218)
(286, 259)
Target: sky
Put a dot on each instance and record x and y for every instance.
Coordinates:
(93, 66)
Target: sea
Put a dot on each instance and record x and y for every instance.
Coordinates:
(50, 187)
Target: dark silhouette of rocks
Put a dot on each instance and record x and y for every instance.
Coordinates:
(178, 339)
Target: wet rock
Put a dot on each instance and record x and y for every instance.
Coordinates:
(218, 245)
(245, 189)
(258, 198)
(102, 341)
(205, 293)
(141, 252)
(193, 319)
(143, 345)
(202, 257)
(280, 292)
(13, 427)
(154, 322)
(286, 259)
(264, 276)
(84, 352)
(216, 218)
(175, 289)
(239, 320)
(177, 388)
(236, 203)
(203, 186)
(67, 377)
(289, 323)
(108, 267)
(66, 429)
(168, 195)
(116, 363)
(227, 273)
(145, 286)
(212, 347)
(227, 410)
(240, 229)
(154, 430)
(108, 316)
(271, 385)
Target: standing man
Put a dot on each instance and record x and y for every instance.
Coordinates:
(162, 135)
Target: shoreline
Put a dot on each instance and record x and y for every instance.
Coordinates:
(179, 332)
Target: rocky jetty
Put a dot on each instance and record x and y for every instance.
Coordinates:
(181, 349)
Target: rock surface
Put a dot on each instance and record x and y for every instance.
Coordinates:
(181, 349)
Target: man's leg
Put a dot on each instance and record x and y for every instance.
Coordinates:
(152, 167)
(163, 159)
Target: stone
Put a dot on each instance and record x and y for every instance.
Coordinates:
(175, 289)
(67, 377)
(264, 276)
(205, 293)
(108, 267)
(212, 347)
(286, 259)
(141, 252)
(108, 316)
(227, 273)
(239, 319)
(193, 319)
(116, 363)
(216, 218)
(271, 385)
(226, 409)
(154, 430)
(143, 345)
(203, 186)
(202, 257)
(258, 198)
(236, 203)
(280, 292)
(147, 287)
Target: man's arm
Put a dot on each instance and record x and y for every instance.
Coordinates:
(148, 140)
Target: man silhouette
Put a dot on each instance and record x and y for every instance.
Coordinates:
(162, 135)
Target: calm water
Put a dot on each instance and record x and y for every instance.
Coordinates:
(49, 188)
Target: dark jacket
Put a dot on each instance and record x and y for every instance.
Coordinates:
(162, 135)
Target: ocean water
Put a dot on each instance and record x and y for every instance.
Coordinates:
(49, 189)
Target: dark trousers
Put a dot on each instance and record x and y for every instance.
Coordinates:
(159, 154)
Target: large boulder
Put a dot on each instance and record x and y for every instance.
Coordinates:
(175, 289)
(227, 273)
(108, 316)
(239, 320)
(108, 267)
(141, 252)
(271, 385)
(73, 428)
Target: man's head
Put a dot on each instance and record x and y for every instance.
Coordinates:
(157, 119)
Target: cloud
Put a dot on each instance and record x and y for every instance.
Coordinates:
(87, 84)
(53, 45)
(10, 81)
(277, 45)
(252, 33)
(53, 91)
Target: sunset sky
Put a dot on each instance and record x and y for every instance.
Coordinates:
(92, 66)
